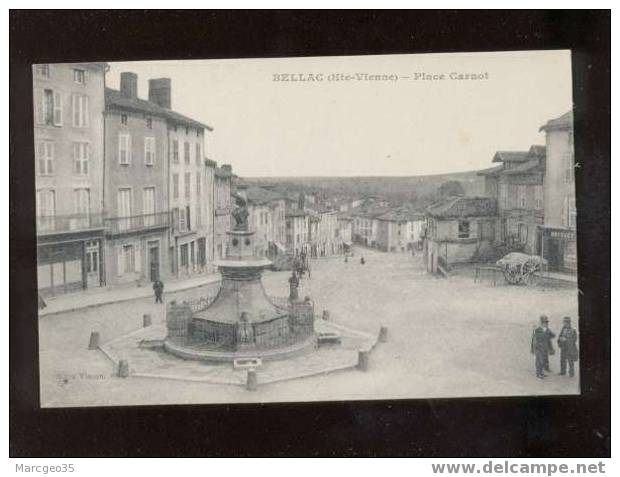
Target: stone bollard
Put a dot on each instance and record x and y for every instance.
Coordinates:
(251, 383)
(362, 360)
(93, 343)
(383, 334)
(123, 368)
(326, 315)
(146, 320)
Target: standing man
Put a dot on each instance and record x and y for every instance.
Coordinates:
(542, 346)
(567, 342)
(158, 288)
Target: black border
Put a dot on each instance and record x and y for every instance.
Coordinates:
(525, 427)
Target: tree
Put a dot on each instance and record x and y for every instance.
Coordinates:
(451, 189)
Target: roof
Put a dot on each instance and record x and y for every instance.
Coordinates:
(401, 215)
(295, 213)
(463, 207)
(369, 212)
(562, 122)
(115, 100)
(533, 165)
(491, 171)
(258, 195)
(222, 172)
(510, 156)
(538, 151)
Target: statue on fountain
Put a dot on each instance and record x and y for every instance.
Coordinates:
(240, 214)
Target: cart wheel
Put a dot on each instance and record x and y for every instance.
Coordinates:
(512, 274)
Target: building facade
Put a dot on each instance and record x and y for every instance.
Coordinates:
(69, 154)
(558, 233)
(191, 228)
(458, 230)
(136, 186)
(297, 229)
(399, 230)
(517, 185)
(223, 207)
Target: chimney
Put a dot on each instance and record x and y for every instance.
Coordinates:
(159, 92)
(129, 85)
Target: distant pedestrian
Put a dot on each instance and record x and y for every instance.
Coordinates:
(541, 346)
(158, 288)
(362, 261)
(567, 342)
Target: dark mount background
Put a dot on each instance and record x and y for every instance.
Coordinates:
(525, 427)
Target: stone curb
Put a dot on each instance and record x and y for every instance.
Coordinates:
(110, 300)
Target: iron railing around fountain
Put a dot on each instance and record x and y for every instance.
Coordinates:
(201, 303)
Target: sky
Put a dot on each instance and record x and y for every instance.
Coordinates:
(414, 125)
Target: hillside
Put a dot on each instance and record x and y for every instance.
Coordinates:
(415, 189)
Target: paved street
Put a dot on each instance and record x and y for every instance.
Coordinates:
(447, 338)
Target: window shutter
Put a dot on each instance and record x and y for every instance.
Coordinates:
(128, 149)
(86, 158)
(50, 157)
(57, 109)
(74, 110)
(39, 106)
(85, 109)
(86, 76)
(74, 157)
(120, 260)
(41, 159)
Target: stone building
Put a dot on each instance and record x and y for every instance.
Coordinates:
(222, 208)
(69, 155)
(517, 185)
(136, 186)
(323, 231)
(345, 231)
(458, 229)
(297, 226)
(399, 230)
(365, 224)
(558, 233)
(267, 218)
(191, 229)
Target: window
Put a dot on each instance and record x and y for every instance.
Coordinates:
(186, 152)
(198, 154)
(45, 157)
(186, 130)
(124, 119)
(92, 257)
(79, 76)
(79, 104)
(148, 205)
(43, 71)
(188, 178)
(463, 229)
(124, 208)
(175, 186)
(569, 169)
(81, 156)
(188, 218)
(184, 256)
(124, 149)
(503, 195)
(46, 209)
(149, 151)
(198, 185)
(182, 220)
(538, 197)
(521, 196)
(149, 123)
(175, 151)
(129, 259)
(82, 207)
(571, 213)
(48, 107)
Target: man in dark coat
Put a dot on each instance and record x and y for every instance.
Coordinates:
(158, 288)
(567, 342)
(542, 346)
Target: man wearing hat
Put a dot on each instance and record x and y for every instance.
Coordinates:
(542, 346)
(567, 342)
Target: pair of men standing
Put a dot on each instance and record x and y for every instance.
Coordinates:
(542, 347)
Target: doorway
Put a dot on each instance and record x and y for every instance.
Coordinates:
(153, 261)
